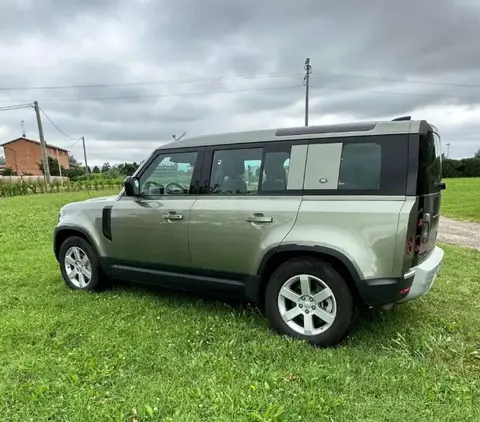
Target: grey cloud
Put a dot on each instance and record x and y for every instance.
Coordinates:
(431, 40)
(21, 17)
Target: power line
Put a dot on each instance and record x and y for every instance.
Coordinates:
(76, 142)
(131, 97)
(56, 127)
(15, 107)
(410, 81)
(127, 97)
(394, 92)
(244, 76)
(171, 81)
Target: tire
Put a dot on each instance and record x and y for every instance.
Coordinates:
(88, 265)
(336, 304)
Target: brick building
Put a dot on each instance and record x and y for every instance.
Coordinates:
(23, 155)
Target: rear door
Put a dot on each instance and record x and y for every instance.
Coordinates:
(428, 193)
(251, 203)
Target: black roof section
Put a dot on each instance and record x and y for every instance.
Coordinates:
(311, 130)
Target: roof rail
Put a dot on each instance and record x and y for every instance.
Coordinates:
(311, 130)
(401, 119)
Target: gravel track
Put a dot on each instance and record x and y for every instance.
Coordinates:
(458, 232)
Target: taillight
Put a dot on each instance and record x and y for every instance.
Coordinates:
(409, 245)
(413, 243)
(417, 244)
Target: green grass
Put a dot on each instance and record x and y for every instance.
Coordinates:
(461, 199)
(164, 356)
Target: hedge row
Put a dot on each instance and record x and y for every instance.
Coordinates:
(467, 167)
(26, 187)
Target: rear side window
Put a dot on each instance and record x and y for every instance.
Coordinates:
(429, 164)
(236, 171)
(275, 170)
(360, 166)
(261, 169)
(373, 165)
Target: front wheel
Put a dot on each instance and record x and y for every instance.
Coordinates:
(308, 299)
(79, 264)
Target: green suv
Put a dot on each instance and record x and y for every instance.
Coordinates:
(310, 222)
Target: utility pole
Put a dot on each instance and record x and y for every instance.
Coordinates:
(59, 165)
(308, 70)
(86, 163)
(46, 168)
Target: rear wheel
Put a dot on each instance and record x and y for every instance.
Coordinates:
(308, 299)
(79, 264)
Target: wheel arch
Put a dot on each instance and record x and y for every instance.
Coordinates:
(62, 233)
(283, 253)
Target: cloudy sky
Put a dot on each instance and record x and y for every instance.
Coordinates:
(139, 71)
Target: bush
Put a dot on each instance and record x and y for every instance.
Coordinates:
(466, 167)
(36, 186)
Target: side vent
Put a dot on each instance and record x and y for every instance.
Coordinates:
(107, 222)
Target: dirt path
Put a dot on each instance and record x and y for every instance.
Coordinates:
(461, 233)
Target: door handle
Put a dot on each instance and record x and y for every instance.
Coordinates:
(259, 218)
(426, 228)
(172, 216)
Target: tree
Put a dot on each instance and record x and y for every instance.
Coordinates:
(477, 154)
(75, 173)
(106, 167)
(128, 169)
(73, 162)
(53, 165)
(2, 160)
(96, 169)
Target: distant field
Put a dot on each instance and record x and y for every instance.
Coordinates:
(461, 199)
(139, 354)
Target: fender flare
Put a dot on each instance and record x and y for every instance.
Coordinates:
(72, 228)
(255, 285)
(324, 250)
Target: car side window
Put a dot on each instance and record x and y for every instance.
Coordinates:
(235, 171)
(275, 170)
(169, 174)
(360, 166)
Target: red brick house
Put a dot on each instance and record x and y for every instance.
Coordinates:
(22, 155)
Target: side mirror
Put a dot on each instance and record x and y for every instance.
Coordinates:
(131, 185)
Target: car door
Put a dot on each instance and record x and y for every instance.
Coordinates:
(251, 204)
(150, 230)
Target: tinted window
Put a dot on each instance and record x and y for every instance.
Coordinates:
(275, 170)
(366, 165)
(429, 164)
(236, 171)
(360, 166)
(169, 174)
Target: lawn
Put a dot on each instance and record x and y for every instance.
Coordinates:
(461, 199)
(139, 354)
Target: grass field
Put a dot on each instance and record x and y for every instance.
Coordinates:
(138, 354)
(461, 199)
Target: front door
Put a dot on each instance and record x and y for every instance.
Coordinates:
(151, 230)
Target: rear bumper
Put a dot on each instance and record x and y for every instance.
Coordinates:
(416, 282)
(424, 275)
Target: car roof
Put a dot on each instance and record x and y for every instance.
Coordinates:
(303, 132)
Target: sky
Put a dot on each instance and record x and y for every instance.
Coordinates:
(139, 71)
